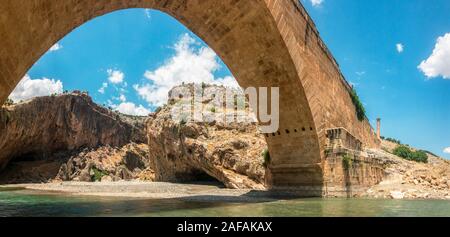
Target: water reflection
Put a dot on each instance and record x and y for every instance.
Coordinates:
(28, 203)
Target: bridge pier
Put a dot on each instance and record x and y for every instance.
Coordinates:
(304, 180)
(346, 170)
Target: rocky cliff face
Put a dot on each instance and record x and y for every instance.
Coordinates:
(70, 138)
(44, 126)
(183, 150)
(105, 163)
(108, 164)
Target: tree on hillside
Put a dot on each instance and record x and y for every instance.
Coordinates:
(406, 153)
(9, 102)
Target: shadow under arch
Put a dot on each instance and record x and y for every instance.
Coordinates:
(254, 38)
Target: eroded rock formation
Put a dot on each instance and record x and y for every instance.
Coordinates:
(70, 138)
(41, 127)
(229, 152)
(105, 163)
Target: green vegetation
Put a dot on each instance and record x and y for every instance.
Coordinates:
(98, 174)
(420, 156)
(9, 102)
(266, 156)
(347, 162)
(360, 110)
(213, 110)
(406, 153)
(392, 140)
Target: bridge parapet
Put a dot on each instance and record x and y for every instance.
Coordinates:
(322, 45)
(338, 138)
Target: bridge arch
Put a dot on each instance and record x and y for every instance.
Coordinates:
(265, 43)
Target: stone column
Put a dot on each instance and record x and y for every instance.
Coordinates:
(379, 128)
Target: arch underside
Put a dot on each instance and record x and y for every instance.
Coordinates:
(252, 37)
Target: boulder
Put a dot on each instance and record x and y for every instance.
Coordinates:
(396, 195)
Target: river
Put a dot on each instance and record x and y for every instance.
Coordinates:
(25, 203)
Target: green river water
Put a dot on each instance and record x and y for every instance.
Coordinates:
(14, 202)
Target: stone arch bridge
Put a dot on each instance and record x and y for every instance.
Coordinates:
(265, 43)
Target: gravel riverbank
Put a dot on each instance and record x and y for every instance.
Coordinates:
(150, 190)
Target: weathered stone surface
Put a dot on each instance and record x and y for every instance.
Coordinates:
(46, 125)
(414, 180)
(350, 170)
(265, 43)
(110, 163)
(231, 153)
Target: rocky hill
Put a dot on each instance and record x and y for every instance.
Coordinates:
(410, 179)
(184, 150)
(46, 128)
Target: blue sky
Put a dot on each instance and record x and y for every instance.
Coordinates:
(128, 68)
(363, 37)
(395, 52)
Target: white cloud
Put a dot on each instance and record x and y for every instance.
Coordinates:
(56, 47)
(103, 88)
(227, 81)
(131, 109)
(189, 65)
(447, 150)
(29, 88)
(400, 47)
(123, 98)
(148, 13)
(361, 73)
(438, 64)
(115, 76)
(316, 3)
(128, 108)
